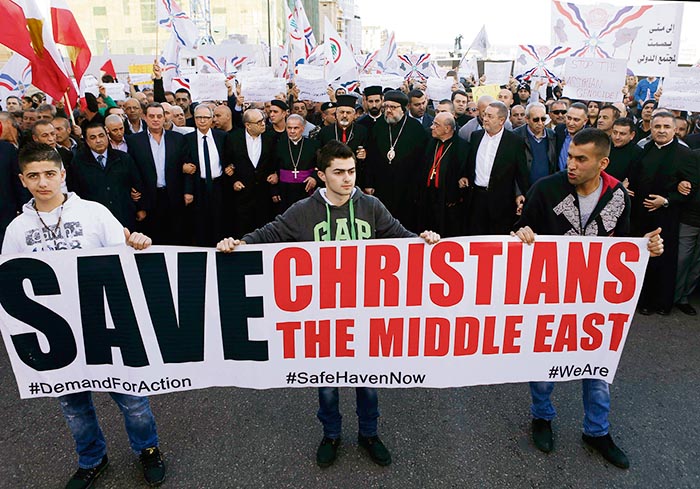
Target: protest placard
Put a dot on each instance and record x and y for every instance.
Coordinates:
(208, 86)
(681, 89)
(89, 84)
(647, 36)
(115, 90)
(314, 89)
(382, 80)
(262, 89)
(498, 73)
(141, 74)
(482, 90)
(382, 313)
(439, 89)
(310, 72)
(598, 79)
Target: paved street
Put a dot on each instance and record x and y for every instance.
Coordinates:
(467, 437)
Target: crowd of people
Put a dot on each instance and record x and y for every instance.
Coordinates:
(384, 162)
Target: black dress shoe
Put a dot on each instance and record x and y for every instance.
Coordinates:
(687, 309)
(607, 448)
(664, 311)
(645, 311)
(542, 435)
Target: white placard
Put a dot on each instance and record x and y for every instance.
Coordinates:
(382, 80)
(314, 89)
(115, 90)
(498, 72)
(310, 72)
(595, 79)
(439, 89)
(89, 84)
(681, 89)
(209, 86)
(255, 89)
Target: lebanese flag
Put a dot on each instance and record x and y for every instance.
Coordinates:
(25, 32)
(67, 33)
(108, 68)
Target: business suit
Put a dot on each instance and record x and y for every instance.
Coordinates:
(426, 122)
(110, 186)
(11, 190)
(165, 205)
(209, 212)
(492, 208)
(522, 132)
(252, 205)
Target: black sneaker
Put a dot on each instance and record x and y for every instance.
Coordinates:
(607, 448)
(327, 452)
(377, 451)
(542, 435)
(84, 478)
(153, 466)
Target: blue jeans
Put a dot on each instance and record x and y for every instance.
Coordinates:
(596, 404)
(329, 413)
(79, 412)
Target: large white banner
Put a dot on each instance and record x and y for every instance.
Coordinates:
(648, 36)
(208, 86)
(595, 79)
(382, 313)
(681, 89)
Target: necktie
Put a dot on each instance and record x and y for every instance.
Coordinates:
(207, 169)
(345, 137)
(101, 160)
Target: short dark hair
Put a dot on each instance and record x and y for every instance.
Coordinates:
(650, 101)
(600, 140)
(33, 152)
(332, 150)
(415, 94)
(664, 113)
(94, 124)
(157, 105)
(579, 105)
(458, 92)
(40, 122)
(615, 110)
(184, 90)
(625, 122)
(165, 94)
(109, 111)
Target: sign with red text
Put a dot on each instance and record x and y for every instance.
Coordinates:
(380, 313)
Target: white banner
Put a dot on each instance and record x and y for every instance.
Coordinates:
(314, 89)
(595, 79)
(262, 89)
(382, 80)
(681, 89)
(648, 36)
(382, 313)
(439, 89)
(209, 86)
(498, 73)
(115, 90)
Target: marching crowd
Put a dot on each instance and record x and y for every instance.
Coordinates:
(380, 163)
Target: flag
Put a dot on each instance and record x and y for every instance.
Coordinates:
(283, 62)
(304, 27)
(210, 64)
(480, 42)
(67, 33)
(108, 68)
(15, 77)
(317, 56)
(26, 33)
(170, 16)
(236, 63)
(297, 50)
(386, 56)
(365, 62)
(539, 61)
(169, 60)
(468, 67)
(413, 66)
(339, 55)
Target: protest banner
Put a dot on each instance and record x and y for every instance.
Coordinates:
(314, 89)
(681, 89)
(115, 90)
(498, 72)
(648, 36)
(383, 80)
(140, 74)
(208, 86)
(382, 313)
(89, 84)
(439, 89)
(595, 79)
(481, 90)
(258, 84)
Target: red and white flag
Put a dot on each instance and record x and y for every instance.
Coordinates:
(67, 33)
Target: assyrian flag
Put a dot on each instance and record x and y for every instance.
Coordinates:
(170, 16)
(234, 64)
(178, 83)
(169, 60)
(295, 39)
(304, 27)
(15, 77)
(365, 62)
(210, 64)
(317, 57)
(283, 62)
(480, 42)
(540, 61)
(415, 66)
(339, 55)
(386, 56)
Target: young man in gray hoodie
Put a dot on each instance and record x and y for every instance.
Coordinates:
(339, 212)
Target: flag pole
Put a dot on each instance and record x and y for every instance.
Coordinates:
(66, 103)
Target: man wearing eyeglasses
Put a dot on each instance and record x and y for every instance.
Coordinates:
(250, 154)
(540, 143)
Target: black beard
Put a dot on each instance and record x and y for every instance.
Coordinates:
(374, 111)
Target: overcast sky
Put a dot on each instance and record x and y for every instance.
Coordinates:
(507, 21)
